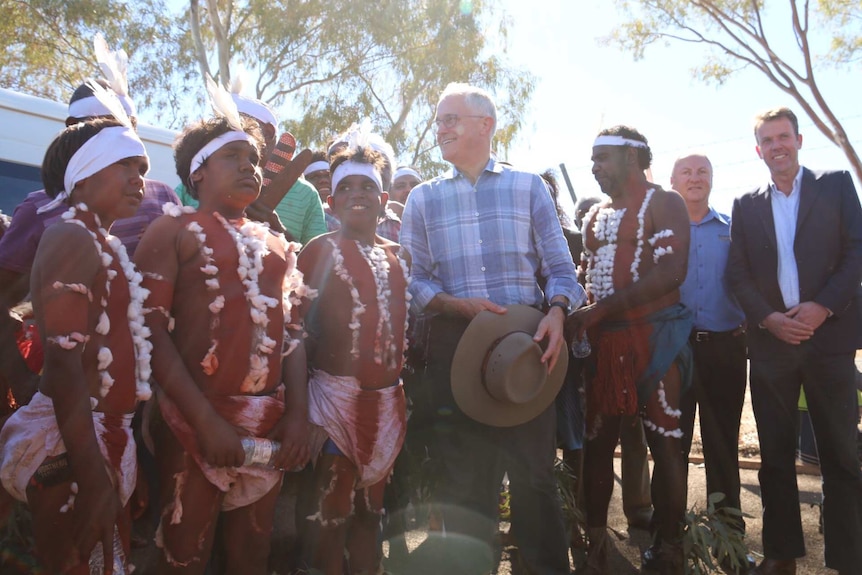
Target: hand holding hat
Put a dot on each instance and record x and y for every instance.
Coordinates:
(497, 376)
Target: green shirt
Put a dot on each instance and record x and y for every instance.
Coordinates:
(185, 197)
(301, 213)
(300, 210)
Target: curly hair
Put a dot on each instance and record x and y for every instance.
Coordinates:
(64, 146)
(360, 155)
(644, 154)
(197, 135)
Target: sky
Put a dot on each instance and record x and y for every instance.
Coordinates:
(583, 86)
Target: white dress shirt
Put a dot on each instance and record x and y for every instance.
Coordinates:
(785, 209)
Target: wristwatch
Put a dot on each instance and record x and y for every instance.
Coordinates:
(565, 306)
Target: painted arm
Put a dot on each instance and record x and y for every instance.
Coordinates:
(66, 257)
(158, 256)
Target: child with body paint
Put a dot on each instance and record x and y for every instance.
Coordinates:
(70, 453)
(356, 336)
(220, 294)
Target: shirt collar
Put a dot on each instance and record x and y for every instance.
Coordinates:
(711, 214)
(718, 216)
(797, 184)
(492, 166)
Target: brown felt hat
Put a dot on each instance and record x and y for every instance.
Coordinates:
(497, 375)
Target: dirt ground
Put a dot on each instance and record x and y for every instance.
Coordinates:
(626, 558)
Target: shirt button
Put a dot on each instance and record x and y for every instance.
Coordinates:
(480, 241)
(483, 268)
(476, 214)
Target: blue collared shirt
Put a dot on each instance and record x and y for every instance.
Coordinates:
(705, 290)
(487, 240)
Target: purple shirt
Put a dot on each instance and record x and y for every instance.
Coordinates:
(18, 245)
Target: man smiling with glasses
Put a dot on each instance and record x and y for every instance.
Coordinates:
(479, 235)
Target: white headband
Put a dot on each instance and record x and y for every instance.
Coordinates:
(318, 166)
(618, 141)
(216, 144)
(90, 107)
(351, 168)
(107, 147)
(256, 109)
(381, 146)
(406, 172)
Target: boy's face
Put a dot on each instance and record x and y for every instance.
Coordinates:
(230, 176)
(357, 201)
(322, 182)
(116, 191)
(402, 186)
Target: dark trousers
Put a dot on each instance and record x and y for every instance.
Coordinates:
(473, 458)
(634, 465)
(718, 390)
(830, 387)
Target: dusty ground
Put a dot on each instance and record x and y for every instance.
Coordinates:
(626, 559)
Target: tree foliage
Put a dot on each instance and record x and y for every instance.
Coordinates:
(736, 35)
(844, 19)
(322, 64)
(332, 64)
(48, 45)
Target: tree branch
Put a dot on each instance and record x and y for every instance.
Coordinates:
(222, 44)
(200, 49)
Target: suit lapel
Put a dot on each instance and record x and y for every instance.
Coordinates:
(807, 197)
(763, 207)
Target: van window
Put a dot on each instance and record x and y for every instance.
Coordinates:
(16, 181)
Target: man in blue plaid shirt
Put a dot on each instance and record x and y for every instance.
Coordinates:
(479, 236)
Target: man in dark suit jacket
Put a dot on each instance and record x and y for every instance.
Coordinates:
(795, 265)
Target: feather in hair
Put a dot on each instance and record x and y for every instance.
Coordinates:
(363, 136)
(114, 65)
(223, 104)
(359, 135)
(238, 80)
(111, 101)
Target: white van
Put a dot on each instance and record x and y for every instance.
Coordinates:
(27, 126)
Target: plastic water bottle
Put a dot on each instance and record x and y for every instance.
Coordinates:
(581, 347)
(97, 557)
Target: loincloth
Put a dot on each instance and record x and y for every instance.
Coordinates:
(255, 414)
(633, 356)
(31, 435)
(367, 425)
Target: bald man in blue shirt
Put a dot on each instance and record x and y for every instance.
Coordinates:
(717, 340)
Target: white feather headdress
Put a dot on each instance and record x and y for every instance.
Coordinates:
(114, 65)
(111, 101)
(223, 104)
(238, 80)
(363, 135)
